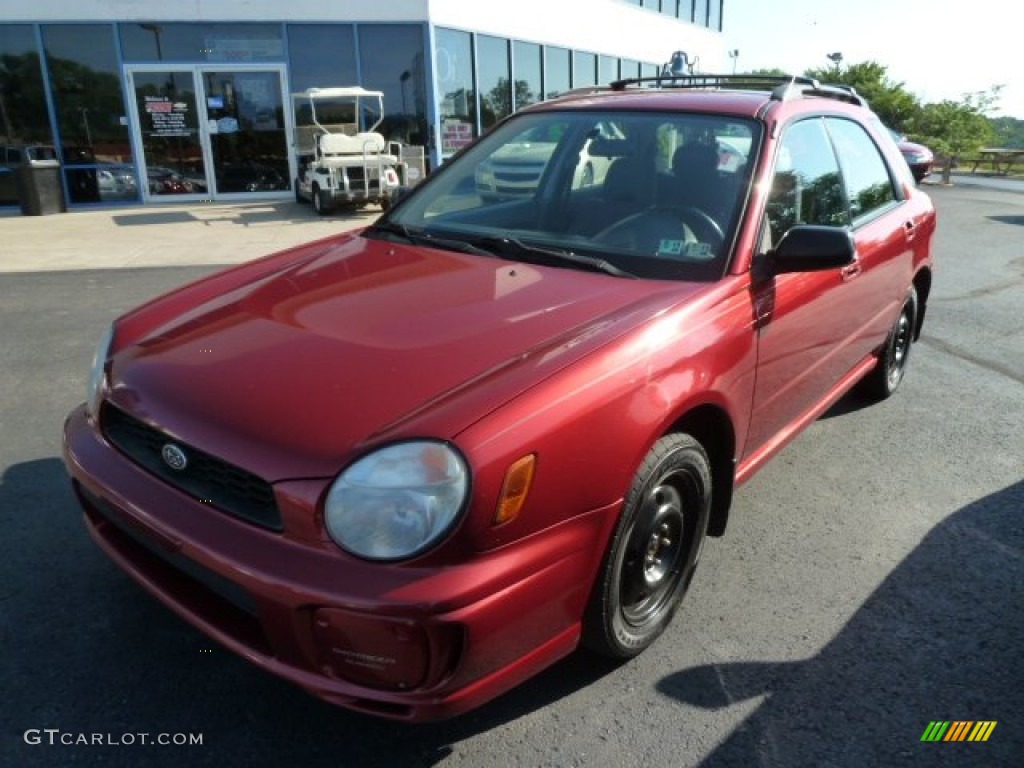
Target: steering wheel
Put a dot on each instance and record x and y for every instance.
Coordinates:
(645, 231)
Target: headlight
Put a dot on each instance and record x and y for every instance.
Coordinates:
(397, 501)
(97, 374)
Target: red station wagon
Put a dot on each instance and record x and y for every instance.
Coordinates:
(408, 467)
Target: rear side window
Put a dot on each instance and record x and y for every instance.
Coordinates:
(806, 186)
(865, 173)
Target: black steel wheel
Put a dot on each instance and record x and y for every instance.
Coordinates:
(654, 552)
(885, 378)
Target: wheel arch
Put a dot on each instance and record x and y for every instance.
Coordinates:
(711, 426)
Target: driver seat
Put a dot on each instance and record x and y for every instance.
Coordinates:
(629, 187)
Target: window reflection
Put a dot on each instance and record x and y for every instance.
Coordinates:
(454, 64)
(584, 69)
(309, 67)
(23, 119)
(493, 77)
(607, 70)
(392, 62)
(527, 63)
(87, 93)
(556, 71)
(235, 43)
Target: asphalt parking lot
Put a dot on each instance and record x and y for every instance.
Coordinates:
(871, 581)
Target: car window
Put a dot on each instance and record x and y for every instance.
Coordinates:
(620, 186)
(866, 176)
(806, 186)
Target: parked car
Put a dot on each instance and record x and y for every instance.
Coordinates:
(516, 169)
(116, 181)
(919, 158)
(165, 181)
(410, 466)
(250, 177)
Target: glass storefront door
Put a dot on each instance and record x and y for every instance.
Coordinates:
(210, 133)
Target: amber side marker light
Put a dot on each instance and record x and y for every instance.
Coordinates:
(514, 489)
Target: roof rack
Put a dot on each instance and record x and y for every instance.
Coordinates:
(786, 87)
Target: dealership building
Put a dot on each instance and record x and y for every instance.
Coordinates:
(144, 101)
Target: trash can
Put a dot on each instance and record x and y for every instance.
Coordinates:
(39, 187)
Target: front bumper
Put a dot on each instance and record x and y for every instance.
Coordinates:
(401, 641)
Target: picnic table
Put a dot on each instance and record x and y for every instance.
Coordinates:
(1000, 158)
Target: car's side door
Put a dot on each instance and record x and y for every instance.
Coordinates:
(805, 320)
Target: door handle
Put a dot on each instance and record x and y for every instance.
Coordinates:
(850, 271)
(909, 227)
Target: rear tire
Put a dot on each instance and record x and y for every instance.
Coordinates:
(886, 376)
(654, 552)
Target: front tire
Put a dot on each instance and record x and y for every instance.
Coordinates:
(654, 552)
(320, 204)
(886, 376)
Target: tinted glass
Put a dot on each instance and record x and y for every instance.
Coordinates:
(392, 62)
(584, 69)
(865, 173)
(607, 70)
(86, 82)
(526, 59)
(493, 79)
(629, 68)
(233, 43)
(556, 71)
(593, 183)
(321, 55)
(700, 12)
(715, 15)
(454, 63)
(806, 187)
(23, 116)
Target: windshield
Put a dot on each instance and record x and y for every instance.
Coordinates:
(646, 194)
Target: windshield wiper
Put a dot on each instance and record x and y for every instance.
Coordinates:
(419, 237)
(513, 246)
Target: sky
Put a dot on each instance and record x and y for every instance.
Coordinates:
(937, 50)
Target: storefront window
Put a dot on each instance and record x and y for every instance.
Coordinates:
(630, 68)
(23, 117)
(556, 71)
(322, 56)
(607, 70)
(91, 117)
(232, 43)
(391, 58)
(454, 65)
(584, 69)
(526, 62)
(493, 78)
(715, 15)
(700, 12)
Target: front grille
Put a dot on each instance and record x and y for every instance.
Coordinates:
(206, 478)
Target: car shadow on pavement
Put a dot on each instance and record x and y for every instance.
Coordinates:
(1018, 220)
(939, 639)
(87, 650)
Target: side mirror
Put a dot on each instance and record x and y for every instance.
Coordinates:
(810, 248)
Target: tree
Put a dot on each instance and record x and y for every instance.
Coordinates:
(956, 128)
(893, 103)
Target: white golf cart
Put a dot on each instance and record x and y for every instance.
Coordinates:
(343, 161)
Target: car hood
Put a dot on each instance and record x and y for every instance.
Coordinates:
(291, 373)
